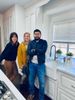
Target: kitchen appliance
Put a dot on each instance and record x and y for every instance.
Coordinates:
(5, 93)
(7, 90)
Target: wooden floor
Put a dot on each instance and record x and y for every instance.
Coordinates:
(23, 88)
(25, 92)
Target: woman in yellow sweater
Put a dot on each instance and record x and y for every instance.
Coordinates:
(22, 53)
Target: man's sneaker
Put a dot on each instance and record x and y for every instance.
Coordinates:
(30, 97)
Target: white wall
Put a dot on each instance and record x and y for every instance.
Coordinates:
(20, 21)
(14, 21)
(34, 18)
(30, 20)
(8, 22)
(2, 33)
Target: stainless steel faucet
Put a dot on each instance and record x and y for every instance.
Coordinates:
(53, 52)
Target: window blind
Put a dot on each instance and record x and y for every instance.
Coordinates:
(64, 32)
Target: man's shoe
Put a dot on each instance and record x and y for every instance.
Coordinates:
(30, 97)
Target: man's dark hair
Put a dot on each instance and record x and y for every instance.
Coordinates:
(12, 34)
(37, 30)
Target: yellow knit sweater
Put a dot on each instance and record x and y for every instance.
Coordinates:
(22, 55)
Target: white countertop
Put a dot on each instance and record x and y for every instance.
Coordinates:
(68, 68)
(11, 86)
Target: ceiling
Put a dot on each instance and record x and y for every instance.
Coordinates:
(5, 4)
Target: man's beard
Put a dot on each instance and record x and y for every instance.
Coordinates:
(36, 38)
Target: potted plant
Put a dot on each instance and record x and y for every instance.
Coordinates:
(58, 52)
(69, 55)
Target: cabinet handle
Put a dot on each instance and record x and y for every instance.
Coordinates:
(73, 86)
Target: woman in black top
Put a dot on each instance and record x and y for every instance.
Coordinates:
(9, 54)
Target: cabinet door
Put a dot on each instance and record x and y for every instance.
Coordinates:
(67, 83)
(50, 88)
(64, 96)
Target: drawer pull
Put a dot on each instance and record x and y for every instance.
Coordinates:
(73, 86)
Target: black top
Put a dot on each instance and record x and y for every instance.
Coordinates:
(10, 52)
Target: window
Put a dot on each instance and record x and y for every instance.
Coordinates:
(65, 47)
(61, 46)
(64, 36)
(72, 48)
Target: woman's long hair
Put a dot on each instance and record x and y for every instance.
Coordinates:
(11, 36)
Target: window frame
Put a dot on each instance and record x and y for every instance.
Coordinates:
(68, 44)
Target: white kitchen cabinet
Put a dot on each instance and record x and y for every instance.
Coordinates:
(66, 86)
(51, 88)
(62, 95)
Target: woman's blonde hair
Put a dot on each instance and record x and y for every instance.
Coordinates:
(26, 33)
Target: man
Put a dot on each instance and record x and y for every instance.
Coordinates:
(36, 51)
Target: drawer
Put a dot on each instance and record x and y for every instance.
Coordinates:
(67, 83)
(62, 95)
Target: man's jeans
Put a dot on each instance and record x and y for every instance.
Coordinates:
(39, 71)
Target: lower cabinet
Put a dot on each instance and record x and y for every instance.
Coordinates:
(66, 86)
(62, 95)
(51, 88)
